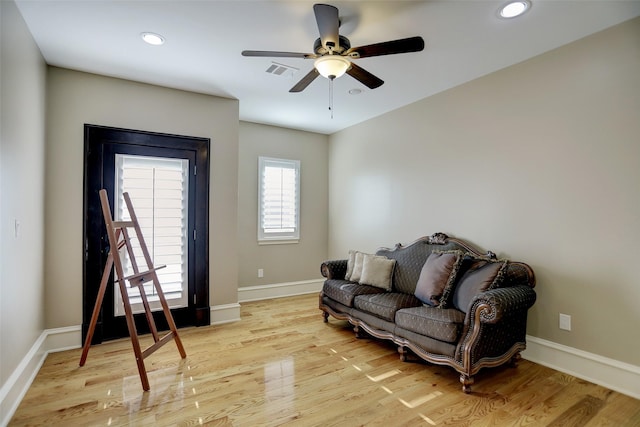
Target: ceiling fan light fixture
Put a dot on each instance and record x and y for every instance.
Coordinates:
(514, 8)
(332, 66)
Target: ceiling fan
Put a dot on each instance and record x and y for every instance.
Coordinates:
(333, 53)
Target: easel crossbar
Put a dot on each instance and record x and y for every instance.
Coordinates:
(142, 277)
(153, 347)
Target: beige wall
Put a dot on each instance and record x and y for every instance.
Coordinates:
(289, 262)
(22, 143)
(539, 162)
(75, 98)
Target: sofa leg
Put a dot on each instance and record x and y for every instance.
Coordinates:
(466, 381)
(325, 317)
(403, 353)
(513, 362)
(359, 332)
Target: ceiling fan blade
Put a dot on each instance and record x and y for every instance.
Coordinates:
(278, 54)
(328, 25)
(305, 81)
(364, 77)
(411, 44)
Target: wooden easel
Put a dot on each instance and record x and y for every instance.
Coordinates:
(119, 238)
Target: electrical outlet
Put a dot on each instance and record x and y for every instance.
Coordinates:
(565, 322)
(260, 272)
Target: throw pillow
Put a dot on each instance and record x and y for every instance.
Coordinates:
(482, 275)
(357, 267)
(438, 273)
(350, 262)
(377, 271)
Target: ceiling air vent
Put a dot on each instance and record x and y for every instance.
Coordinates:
(278, 69)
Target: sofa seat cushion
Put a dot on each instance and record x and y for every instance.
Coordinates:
(385, 305)
(345, 291)
(437, 323)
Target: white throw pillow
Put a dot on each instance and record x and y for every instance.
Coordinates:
(377, 271)
(357, 267)
(350, 263)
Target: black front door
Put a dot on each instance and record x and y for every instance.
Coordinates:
(104, 150)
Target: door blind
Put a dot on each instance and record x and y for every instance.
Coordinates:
(158, 188)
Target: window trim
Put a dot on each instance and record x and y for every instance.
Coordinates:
(278, 237)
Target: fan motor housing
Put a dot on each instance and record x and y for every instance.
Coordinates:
(345, 44)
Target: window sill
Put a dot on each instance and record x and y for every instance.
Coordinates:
(278, 242)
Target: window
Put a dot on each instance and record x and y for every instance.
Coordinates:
(158, 188)
(278, 200)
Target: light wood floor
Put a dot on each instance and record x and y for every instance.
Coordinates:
(281, 365)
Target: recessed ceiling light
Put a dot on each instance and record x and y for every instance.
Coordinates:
(514, 8)
(355, 91)
(152, 38)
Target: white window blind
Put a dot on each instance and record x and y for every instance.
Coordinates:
(278, 200)
(158, 188)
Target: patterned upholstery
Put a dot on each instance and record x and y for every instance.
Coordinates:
(336, 306)
(335, 269)
(374, 325)
(441, 324)
(345, 291)
(427, 345)
(386, 304)
(502, 324)
(517, 273)
(409, 262)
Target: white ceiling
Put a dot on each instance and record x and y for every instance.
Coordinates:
(464, 40)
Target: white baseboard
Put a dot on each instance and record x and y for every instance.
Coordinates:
(610, 373)
(61, 339)
(279, 290)
(17, 385)
(225, 313)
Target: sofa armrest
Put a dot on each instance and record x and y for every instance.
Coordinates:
(496, 304)
(495, 327)
(334, 269)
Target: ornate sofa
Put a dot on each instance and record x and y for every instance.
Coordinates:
(438, 297)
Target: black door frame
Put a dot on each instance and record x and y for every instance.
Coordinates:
(101, 143)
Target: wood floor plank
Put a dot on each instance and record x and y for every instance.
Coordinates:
(281, 365)
(619, 410)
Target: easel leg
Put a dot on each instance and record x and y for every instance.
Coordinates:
(133, 333)
(96, 309)
(169, 317)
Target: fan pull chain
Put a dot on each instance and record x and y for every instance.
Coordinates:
(331, 96)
